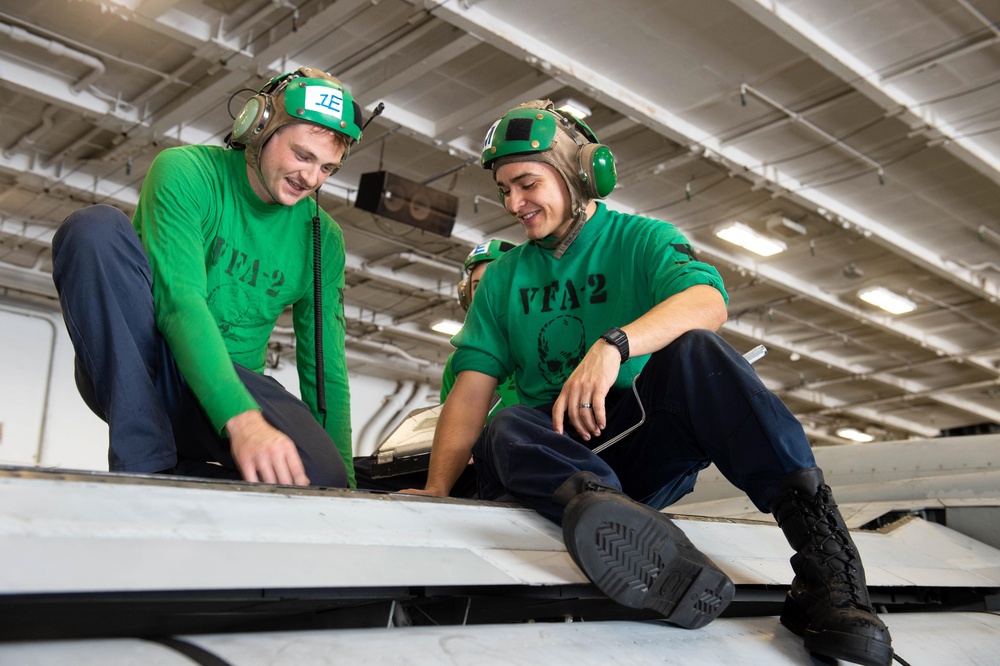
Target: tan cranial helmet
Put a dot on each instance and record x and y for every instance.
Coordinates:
(306, 95)
(538, 132)
(560, 154)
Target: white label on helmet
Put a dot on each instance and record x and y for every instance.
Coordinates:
(489, 135)
(328, 101)
(480, 249)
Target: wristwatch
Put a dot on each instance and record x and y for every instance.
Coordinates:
(617, 337)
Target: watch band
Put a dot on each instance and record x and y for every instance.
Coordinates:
(617, 337)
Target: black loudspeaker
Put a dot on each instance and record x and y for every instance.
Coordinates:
(406, 201)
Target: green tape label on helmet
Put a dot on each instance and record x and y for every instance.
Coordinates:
(328, 101)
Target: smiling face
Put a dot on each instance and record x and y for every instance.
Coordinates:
(537, 196)
(295, 162)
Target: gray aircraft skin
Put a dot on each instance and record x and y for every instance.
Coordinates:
(115, 568)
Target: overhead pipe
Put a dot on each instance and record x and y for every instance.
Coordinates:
(390, 349)
(57, 49)
(944, 57)
(33, 135)
(428, 373)
(368, 441)
(798, 118)
(951, 308)
(954, 53)
(424, 312)
(418, 399)
(909, 396)
(982, 18)
(422, 364)
(414, 258)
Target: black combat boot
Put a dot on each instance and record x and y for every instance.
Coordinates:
(637, 556)
(828, 602)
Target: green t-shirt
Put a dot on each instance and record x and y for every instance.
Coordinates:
(506, 389)
(225, 266)
(537, 316)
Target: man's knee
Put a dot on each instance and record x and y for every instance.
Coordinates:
(90, 227)
(699, 348)
(702, 340)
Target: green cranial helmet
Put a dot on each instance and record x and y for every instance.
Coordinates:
(487, 252)
(536, 131)
(306, 95)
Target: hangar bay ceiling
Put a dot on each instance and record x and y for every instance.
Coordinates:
(864, 137)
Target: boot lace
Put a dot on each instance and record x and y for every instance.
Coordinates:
(832, 544)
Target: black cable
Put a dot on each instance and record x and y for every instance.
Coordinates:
(902, 661)
(194, 652)
(318, 314)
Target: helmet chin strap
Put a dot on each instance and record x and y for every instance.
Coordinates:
(578, 203)
(562, 244)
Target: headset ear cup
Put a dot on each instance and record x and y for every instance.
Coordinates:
(464, 298)
(597, 166)
(251, 118)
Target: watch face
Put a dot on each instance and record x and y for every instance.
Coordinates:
(617, 337)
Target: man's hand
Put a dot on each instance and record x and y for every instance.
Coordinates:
(264, 453)
(588, 385)
(423, 491)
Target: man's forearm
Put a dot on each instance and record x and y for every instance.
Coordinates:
(700, 306)
(459, 426)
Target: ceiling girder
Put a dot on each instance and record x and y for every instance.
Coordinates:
(633, 104)
(791, 27)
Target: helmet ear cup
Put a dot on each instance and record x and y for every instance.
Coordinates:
(597, 170)
(464, 295)
(252, 118)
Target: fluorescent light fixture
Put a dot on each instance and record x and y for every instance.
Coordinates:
(742, 235)
(889, 301)
(854, 435)
(447, 326)
(574, 107)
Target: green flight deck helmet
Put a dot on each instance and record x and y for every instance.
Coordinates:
(537, 131)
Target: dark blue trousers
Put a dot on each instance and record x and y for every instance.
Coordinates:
(704, 404)
(128, 376)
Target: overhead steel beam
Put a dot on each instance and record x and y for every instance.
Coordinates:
(271, 60)
(27, 280)
(42, 84)
(634, 104)
(402, 77)
(854, 372)
(839, 60)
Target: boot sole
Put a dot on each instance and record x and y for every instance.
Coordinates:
(838, 645)
(636, 557)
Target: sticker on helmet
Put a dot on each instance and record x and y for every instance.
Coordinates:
(325, 100)
(489, 135)
(480, 249)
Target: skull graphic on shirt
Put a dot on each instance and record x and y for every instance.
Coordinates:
(561, 347)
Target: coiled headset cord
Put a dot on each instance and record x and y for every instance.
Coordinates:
(318, 293)
(318, 314)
